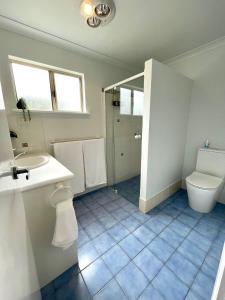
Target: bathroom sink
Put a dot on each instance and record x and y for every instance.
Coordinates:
(31, 161)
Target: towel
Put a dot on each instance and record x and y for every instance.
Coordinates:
(70, 154)
(94, 162)
(66, 229)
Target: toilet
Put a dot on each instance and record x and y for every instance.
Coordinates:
(207, 181)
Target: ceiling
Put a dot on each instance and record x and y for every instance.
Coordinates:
(141, 29)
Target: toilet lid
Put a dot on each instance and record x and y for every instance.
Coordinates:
(204, 181)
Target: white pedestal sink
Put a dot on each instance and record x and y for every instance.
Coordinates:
(31, 161)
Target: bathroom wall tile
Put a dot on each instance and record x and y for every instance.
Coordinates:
(131, 245)
(96, 276)
(132, 281)
(115, 259)
(149, 264)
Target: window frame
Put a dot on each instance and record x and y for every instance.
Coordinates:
(51, 71)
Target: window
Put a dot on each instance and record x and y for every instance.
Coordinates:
(125, 101)
(138, 103)
(131, 102)
(48, 89)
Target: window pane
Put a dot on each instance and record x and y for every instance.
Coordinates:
(32, 84)
(125, 101)
(68, 92)
(138, 105)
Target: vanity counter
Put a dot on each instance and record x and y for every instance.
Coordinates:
(51, 172)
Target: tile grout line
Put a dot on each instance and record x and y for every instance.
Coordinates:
(157, 234)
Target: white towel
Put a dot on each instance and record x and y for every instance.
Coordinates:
(70, 154)
(94, 162)
(66, 229)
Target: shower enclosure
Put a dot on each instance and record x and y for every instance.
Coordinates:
(124, 108)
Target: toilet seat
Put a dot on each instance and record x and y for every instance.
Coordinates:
(204, 181)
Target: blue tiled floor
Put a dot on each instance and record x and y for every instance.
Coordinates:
(129, 189)
(170, 253)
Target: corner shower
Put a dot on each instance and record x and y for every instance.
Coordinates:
(124, 108)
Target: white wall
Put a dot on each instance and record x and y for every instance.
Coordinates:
(18, 278)
(167, 98)
(206, 66)
(44, 128)
(5, 143)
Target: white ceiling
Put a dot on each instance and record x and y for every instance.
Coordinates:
(141, 29)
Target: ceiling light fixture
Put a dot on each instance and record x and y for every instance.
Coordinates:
(98, 12)
(87, 8)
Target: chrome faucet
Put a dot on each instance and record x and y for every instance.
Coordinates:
(14, 172)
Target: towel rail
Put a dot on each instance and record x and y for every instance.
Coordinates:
(74, 140)
(59, 187)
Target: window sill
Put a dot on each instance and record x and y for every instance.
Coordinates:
(53, 113)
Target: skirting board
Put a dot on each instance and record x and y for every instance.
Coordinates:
(146, 206)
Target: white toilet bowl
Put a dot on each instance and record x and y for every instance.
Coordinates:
(203, 191)
(205, 184)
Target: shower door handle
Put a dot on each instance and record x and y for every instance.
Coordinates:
(137, 136)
